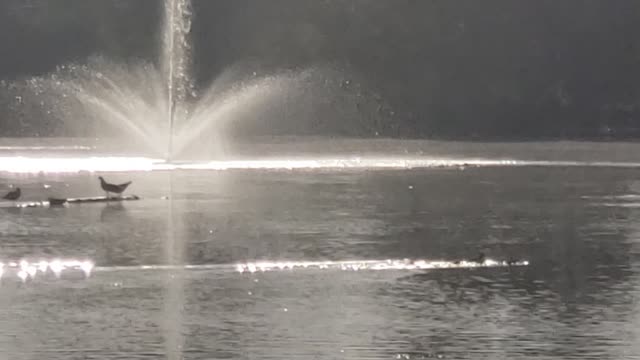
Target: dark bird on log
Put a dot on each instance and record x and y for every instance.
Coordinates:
(13, 194)
(113, 188)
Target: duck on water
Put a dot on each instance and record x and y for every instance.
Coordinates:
(13, 194)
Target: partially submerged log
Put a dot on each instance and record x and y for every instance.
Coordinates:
(100, 199)
(61, 201)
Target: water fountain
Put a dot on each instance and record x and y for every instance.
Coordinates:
(175, 60)
(155, 109)
(156, 104)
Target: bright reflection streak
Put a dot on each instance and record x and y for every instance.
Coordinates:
(353, 265)
(56, 266)
(86, 266)
(29, 270)
(404, 264)
(34, 165)
(42, 266)
(26, 270)
(47, 148)
(27, 165)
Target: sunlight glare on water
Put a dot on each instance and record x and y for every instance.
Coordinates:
(26, 270)
(356, 265)
(316, 243)
(33, 165)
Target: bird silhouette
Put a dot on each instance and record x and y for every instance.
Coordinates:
(13, 194)
(113, 188)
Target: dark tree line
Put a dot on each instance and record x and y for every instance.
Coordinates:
(446, 68)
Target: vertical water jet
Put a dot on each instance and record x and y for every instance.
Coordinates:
(175, 62)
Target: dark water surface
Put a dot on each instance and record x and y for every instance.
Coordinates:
(578, 299)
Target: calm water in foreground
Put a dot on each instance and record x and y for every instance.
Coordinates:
(578, 226)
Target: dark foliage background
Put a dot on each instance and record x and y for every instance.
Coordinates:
(491, 69)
